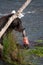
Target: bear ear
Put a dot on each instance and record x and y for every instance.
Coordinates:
(13, 12)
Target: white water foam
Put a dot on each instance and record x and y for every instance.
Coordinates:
(3, 14)
(22, 15)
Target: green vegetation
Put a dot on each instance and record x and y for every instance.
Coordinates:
(39, 41)
(38, 51)
(12, 52)
(14, 55)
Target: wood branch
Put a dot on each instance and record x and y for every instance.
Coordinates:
(13, 17)
(7, 25)
(1, 47)
(24, 6)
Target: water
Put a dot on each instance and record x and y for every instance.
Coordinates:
(32, 21)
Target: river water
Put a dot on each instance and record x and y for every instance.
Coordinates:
(33, 19)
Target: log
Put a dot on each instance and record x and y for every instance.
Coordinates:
(24, 6)
(13, 17)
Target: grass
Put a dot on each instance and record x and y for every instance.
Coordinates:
(11, 52)
(39, 41)
(31, 55)
(37, 51)
(23, 56)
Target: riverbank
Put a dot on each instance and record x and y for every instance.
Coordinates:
(29, 56)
